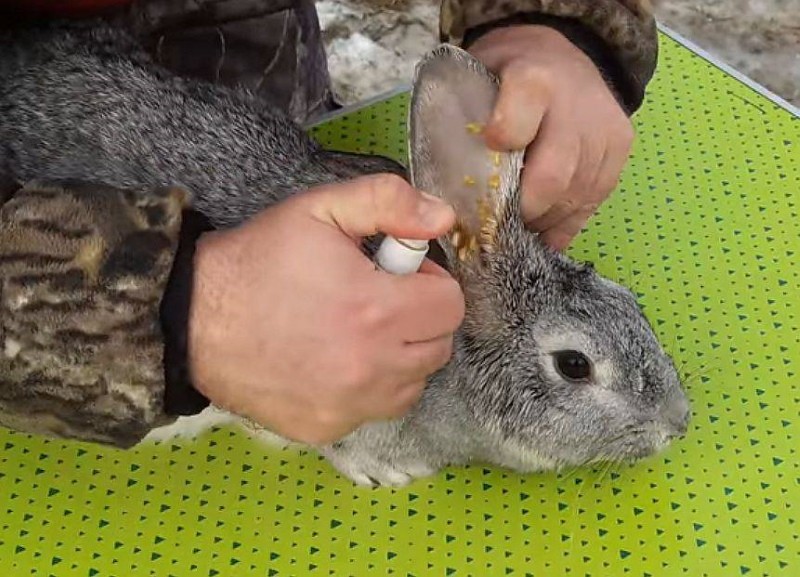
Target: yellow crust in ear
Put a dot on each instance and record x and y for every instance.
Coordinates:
(466, 243)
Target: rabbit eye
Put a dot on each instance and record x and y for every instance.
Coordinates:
(573, 365)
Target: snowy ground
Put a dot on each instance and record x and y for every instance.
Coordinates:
(374, 44)
(761, 38)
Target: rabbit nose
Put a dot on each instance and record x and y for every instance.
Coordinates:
(677, 416)
(679, 427)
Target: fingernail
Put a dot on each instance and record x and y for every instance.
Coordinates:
(432, 211)
(429, 197)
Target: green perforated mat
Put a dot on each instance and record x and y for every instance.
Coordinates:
(704, 227)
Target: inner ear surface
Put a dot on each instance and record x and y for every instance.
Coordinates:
(453, 98)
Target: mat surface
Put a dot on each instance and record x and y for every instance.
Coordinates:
(704, 227)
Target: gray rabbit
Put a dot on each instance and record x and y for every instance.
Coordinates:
(85, 101)
(553, 366)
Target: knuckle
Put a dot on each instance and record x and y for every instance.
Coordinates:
(315, 426)
(354, 370)
(390, 194)
(326, 419)
(392, 182)
(590, 207)
(364, 314)
(436, 357)
(605, 186)
(444, 353)
(411, 400)
(372, 316)
(529, 75)
(596, 195)
(567, 206)
(624, 132)
(628, 131)
(626, 140)
(560, 239)
(386, 189)
(321, 434)
(554, 177)
(446, 307)
(407, 399)
(457, 304)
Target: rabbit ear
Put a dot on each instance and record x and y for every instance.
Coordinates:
(453, 96)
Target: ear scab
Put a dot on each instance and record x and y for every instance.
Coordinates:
(474, 127)
(466, 241)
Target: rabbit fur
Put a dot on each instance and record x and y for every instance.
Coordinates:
(86, 102)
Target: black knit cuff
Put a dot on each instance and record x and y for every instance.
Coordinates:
(180, 396)
(8, 187)
(627, 92)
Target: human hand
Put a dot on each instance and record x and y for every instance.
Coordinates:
(293, 327)
(554, 102)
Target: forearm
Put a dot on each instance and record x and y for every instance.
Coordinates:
(83, 272)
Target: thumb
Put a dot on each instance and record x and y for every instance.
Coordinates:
(382, 203)
(518, 113)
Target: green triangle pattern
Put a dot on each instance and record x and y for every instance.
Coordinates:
(705, 228)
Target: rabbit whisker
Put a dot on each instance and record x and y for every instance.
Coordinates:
(701, 371)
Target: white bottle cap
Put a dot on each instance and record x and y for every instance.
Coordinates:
(401, 256)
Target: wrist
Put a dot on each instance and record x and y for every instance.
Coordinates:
(544, 36)
(211, 312)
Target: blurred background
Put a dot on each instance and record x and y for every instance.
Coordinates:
(373, 45)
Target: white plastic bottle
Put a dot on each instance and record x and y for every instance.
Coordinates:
(401, 256)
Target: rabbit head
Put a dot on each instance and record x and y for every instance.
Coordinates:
(557, 364)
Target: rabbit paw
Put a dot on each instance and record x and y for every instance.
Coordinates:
(369, 471)
(193, 426)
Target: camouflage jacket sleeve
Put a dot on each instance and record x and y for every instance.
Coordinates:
(83, 272)
(619, 35)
